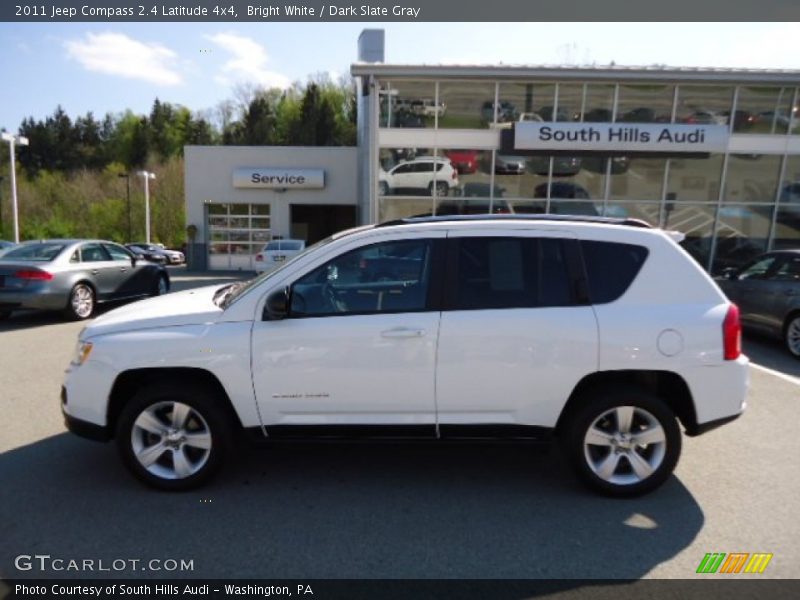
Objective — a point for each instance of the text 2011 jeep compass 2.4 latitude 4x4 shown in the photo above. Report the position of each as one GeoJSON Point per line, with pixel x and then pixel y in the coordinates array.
{"type": "Point", "coordinates": [603, 332]}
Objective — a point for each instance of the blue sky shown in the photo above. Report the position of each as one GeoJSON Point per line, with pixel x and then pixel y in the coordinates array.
{"type": "Point", "coordinates": [110, 67]}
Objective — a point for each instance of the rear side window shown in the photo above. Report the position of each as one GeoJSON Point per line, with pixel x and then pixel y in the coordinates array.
{"type": "Point", "coordinates": [41, 252]}
{"type": "Point", "coordinates": [611, 268]}
{"type": "Point", "coordinates": [510, 272]}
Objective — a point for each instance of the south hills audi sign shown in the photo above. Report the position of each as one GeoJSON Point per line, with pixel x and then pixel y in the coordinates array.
{"type": "Point", "coordinates": [620, 137]}
{"type": "Point", "coordinates": [282, 179]}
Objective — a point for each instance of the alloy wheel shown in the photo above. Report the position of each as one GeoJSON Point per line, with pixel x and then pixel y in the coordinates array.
{"type": "Point", "coordinates": [793, 336]}
{"type": "Point", "coordinates": [625, 445]}
{"type": "Point", "coordinates": [171, 440]}
{"type": "Point", "coordinates": [82, 301]}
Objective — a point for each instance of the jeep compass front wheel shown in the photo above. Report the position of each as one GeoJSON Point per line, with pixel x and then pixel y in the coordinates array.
{"type": "Point", "coordinates": [173, 438]}
{"type": "Point", "coordinates": [623, 443]}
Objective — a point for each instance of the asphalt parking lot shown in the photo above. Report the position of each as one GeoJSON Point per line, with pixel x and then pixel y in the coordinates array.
{"type": "Point", "coordinates": [389, 510]}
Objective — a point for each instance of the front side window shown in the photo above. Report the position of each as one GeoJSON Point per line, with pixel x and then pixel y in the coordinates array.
{"type": "Point", "coordinates": [380, 278]}
{"type": "Point", "coordinates": [510, 272]}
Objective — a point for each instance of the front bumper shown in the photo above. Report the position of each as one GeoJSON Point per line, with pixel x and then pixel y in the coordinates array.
{"type": "Point", "coordinates": [84, 429]}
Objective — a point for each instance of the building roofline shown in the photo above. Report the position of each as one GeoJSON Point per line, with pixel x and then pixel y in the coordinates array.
{"type": "Point", "coordinates": [603, 73]}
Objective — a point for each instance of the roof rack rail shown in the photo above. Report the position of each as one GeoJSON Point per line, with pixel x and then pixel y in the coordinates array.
{"type": "Point", "coordinates": [517, 217]}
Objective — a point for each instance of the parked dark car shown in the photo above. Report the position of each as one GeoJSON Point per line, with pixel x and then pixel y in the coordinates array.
{"type": "Point", "coordinates": [74, 276]}
{"type": "Point", "coordinates": [478, 189]}
{"type": "Point", "coordinates": [767, 291]}
{"type": "Point", "coordinates": [563, 166]}
{"type": "Point", "coordinates": [565, 190]}
{"type": "Point", "coordinates": [141, 254]}
{"type": "Point", "coordinates": [597, 164]}
{"type": "Point", "coordinates": [174, 257]}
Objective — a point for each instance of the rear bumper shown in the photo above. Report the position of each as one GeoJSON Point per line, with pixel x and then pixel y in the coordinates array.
{"type": "Point", "coordinates": [15, 299]}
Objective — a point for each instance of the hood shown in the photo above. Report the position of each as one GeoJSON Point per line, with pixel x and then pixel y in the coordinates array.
{"type": "Point", "coordinates": [192, 307]}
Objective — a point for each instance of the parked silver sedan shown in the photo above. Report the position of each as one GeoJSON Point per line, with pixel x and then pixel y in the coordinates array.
{"type": "Point", "coordinates": [74, 276]}
{"type": "Point", "coordinates": [767, 291]}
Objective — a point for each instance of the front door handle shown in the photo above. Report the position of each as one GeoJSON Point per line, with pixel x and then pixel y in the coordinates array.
{"type": "Point", "coordinates": [95, 271]}
{"type": "Point", "coordinates": [123, 269]}
{"type": "Point", "coordinates": [403, 332]}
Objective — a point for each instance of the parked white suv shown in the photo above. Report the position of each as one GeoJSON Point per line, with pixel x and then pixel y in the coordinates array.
{"type": "Point", "coordinates": [422, 173]}
{"type": "Point", "coordinates": [602, 332]}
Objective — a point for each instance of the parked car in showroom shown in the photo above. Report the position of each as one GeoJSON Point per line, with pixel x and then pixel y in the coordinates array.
{"type": "Point", "coordinates": [510, 165]}
{"type": "Point", "coordinates": [74, 276]}
{"type": "Point", "coordinates": [277, 252]}
{"type": "Point", "coordinates": [490, 326]}
{"type": "Point", "coordinates": [563, 166]}
{"type": "Point", "coordinates": [464, 161]}
{"type": "Point", "coordinates": [419, 175]}
{"type": "Point", "coordinates": [767, 291]}
{"type": "Point", "coordinates": [174, 257]}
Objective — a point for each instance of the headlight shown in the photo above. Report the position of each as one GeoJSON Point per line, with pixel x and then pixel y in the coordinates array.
{"type": "Point", "coordinates": [82, 352]}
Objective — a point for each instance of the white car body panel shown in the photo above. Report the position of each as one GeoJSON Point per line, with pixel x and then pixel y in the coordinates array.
{"type": "Point", "coordinates": [497, 366]}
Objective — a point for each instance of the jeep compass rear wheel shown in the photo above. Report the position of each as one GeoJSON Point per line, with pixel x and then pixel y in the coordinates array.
{"type": "Point", "coordinates": [623, 443]}
{"type": "Point", "coordinates": [173, 438]}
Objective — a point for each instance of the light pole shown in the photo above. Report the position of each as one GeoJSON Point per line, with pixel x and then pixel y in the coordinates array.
{"type": "Point", "coordinates": [147, 176]}
{"type": "Point", "coordinates": [127, 177]}
{"type": "Point", "coordinates": [12, 141]}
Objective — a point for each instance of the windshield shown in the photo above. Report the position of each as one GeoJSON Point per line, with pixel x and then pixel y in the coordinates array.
{"type": "Point", "coordinates": [41, 252]}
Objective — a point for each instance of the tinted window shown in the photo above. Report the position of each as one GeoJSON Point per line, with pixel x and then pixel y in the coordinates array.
{"type": "Point", "coordinates": [758, 269]}
{"type": "Point", "coordinates": [611, 268]}
{"type": "Point", "coordinates": [789, 270]}
{"type": "Point", "coordinates": [284, 245]}
{"type": "Point", "coordinates": [496, 273]}
{"type": "Point", "coordinates": [117, 252]}
{"type": "Point", "coordinates": [387, 277]}
{"type": "Point", "coordinates": [93, 253]}
{"type": "Point", "coordinates": [34, 252]}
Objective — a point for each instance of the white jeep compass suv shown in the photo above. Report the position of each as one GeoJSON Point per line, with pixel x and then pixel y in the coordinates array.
{"type": "Point", "coordinates": [602, 333]}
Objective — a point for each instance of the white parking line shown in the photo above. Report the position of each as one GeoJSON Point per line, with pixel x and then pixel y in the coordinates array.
{"type": "Point", "coordinates": [783, 376]}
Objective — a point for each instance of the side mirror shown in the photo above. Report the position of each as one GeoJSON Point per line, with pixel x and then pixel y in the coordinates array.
{"type": "Point", "coordinates": [730, 273]}
{"type": "Point", "coordinates": [277, 305]}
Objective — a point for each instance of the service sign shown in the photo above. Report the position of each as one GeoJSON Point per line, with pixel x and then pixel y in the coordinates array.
{"type": "Point", "coordinates": [620, 137]}
{"type": "Point", "coordinates": [288, 179]}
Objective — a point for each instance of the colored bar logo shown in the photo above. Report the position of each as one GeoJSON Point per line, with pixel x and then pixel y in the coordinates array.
{"type": "Point", "coordinates": [735, 562]}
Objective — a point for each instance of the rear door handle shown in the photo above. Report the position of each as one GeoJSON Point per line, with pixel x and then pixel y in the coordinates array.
{"type": "Point", "coordinates": [403, 332]}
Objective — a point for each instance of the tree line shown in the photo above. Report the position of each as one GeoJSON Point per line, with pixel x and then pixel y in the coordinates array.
{"type": "Point", "coordinates": [69, 176]}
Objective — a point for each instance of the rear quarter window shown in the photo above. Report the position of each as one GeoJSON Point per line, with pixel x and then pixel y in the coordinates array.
{"type": "Point", "coordinates": [611, 267]}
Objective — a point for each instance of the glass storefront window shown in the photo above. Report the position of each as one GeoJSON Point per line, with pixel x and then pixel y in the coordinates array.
{"type": "Point", "coordinates": [416, 172]}
{"type": "Point", "coordinates": [646, 211]}
{"type": "Point", "coordinates": [530, 100]}
{"type": "Point", "coordinates": [787, 221]}
{"type": "Point", "coordinates": [470, 105]}
{"type": "Point", "coordinates": [599, 104]}
{"type": "Point", "coordinates": [741, 235]}
{"type": "Point", "coordinates": [407, 103]}
{"type": "Point", "coordinates": [474, 168]}
{"type": "Point", "coordinates": [645, 103]}
{"type": "Point", "coordinates": [391, 208]}
{"type": "Point", "coordinates": [695, 179]}
{"type": "Point", "coordinates": [763, 110]}
{"type": "Point", "coordinates": [696, 222]}
{"type": "Point", "coordinates": [236, 233]}
{"type": "Point", "coordinates": [570, 101]}
{"type": "Point", "coordinates": [704, 104]}
{"type": "Point", "coordinates": [751, 178]}
{"type": "Point", "coordinates": [635, 178]}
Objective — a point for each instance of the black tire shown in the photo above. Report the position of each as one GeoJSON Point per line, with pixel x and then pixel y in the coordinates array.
{"type": "Point", "coordinates": [4, 314]}
{"type": "Point", "coordinates": [214, 423]}
{"type": "Point", "coordinates": [81, 303]}
{"type": "Point", "coordinates": [623, 481]}
{"type": "Point", "coordinates": [157, 285]}
{"type": "Point", "coordinates": [791, 335]}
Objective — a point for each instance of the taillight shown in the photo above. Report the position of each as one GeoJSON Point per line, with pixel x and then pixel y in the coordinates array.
{"type": "Point", "coordinates": [33, 275]}
{"type": "Point", "coordinates": [732, 333]}
{"type": "Point", "coordinates": [259, 257]}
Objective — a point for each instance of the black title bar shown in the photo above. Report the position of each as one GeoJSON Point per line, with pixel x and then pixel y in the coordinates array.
{"type": "Point", "coordinates": [378, 11]}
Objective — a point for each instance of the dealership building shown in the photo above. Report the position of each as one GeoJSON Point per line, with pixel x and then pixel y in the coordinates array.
{"type": "Point", "coordinates": [713, 153]}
